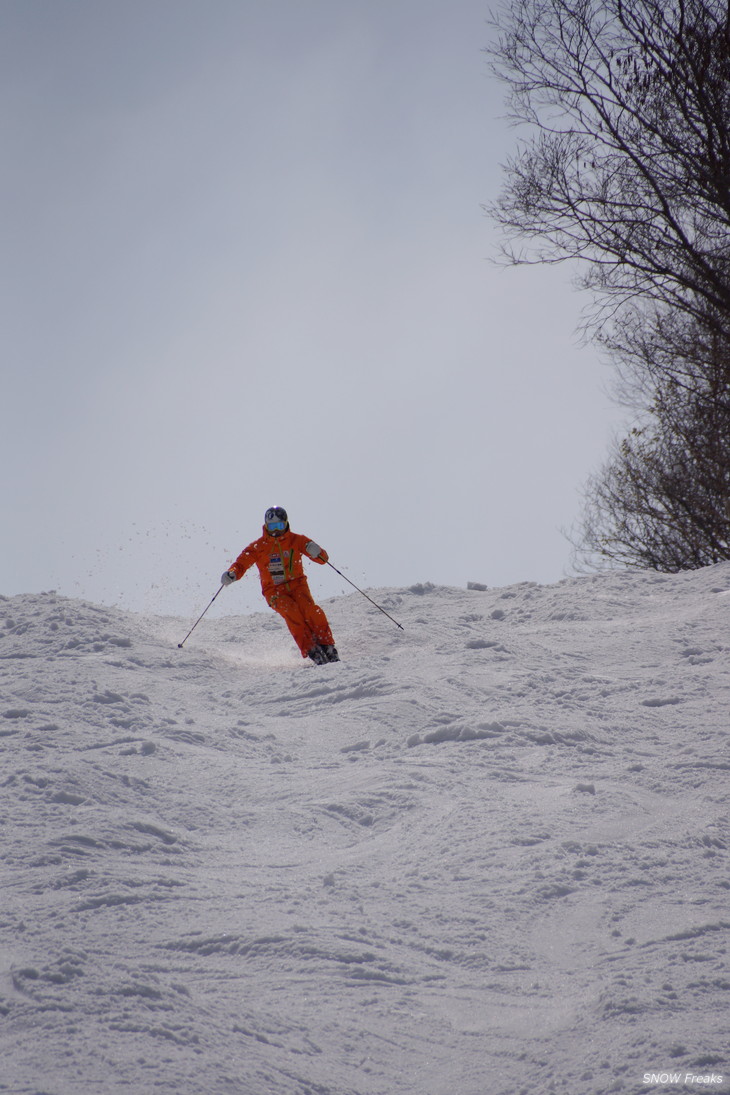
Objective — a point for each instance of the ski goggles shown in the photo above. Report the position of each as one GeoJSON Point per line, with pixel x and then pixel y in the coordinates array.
{"type": "Point", "coordinates": [276, 526]}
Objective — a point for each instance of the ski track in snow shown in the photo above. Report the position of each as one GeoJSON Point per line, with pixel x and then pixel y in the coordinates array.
{"type": "Point", "coordinates": [487, 855]}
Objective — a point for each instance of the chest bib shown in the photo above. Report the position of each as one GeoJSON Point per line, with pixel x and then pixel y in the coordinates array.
{"type": "Point", "coordinates": [277, 567]}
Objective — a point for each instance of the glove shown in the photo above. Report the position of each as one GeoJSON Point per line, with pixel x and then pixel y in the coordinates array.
{"type": "Point", "coordinates": [227, 577]}
{"type": "Point", "coordinates": [313, 550]}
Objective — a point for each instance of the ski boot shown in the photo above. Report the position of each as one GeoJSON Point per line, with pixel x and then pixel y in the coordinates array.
{"type": "Point", "coordinates": [321, 654]}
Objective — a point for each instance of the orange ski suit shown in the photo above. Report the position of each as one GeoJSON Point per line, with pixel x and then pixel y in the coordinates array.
{"type": "Point", "coordinates": [284, 584]}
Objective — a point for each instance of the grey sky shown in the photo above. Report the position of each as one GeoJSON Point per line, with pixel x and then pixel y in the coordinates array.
{"type": "Point", "coordinates": [245, 263]}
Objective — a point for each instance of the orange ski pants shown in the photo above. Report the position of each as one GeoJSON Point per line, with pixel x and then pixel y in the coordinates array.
{"type": "Point", "coordinates": [306, 620]}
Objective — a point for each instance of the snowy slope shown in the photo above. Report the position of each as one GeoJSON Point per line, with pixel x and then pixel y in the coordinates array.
{"type": "Point", "coordinates": [487, 855]}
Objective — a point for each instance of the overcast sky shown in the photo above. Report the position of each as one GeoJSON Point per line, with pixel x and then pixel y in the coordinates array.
{"type": "Point", "coordinates": [244, 263]}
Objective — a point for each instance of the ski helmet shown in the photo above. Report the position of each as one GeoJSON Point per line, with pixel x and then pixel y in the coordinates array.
{"type": "Point", "coordinates": [276, 519]}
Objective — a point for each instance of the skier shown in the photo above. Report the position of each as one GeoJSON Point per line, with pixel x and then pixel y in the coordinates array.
{"type": "Point", "coordinates": [278, 555]}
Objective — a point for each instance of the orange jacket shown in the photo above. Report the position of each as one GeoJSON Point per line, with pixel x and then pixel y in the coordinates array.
{"type": "Point", "coordinates": [279, 559]}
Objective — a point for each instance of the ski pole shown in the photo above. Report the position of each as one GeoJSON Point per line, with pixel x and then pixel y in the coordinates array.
{"type": "Point", "coordinates": [372, 602]}
{"type": "Point", "coordinates": [200, 617]}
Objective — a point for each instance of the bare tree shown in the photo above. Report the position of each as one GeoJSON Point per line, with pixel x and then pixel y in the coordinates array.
{"type": "Point", "coordinates": [627, 171]}
{"type": "Point", "coordinates": [628, 166]}
{"type": "Point", "coordinates": [663, 499]}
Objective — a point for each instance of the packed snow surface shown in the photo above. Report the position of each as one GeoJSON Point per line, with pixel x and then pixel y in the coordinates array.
{"type": "Point", "coordinates": [486, 855]}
